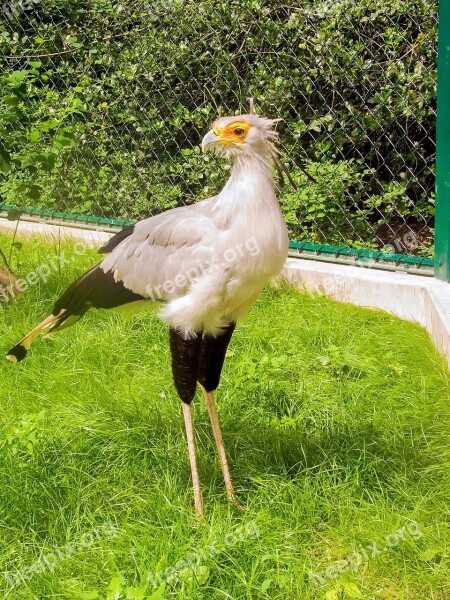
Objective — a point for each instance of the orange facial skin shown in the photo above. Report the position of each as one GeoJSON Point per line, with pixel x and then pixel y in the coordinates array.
{"type": "Point", "coordinates": [234, 133]}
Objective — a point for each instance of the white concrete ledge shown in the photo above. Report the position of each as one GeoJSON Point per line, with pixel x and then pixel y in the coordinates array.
{"type": "Point", "coordinates": [91, 236]}
{"type": "Point", "coordinates": [424, 300]}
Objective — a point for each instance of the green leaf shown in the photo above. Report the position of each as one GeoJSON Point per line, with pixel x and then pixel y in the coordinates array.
{"type": "Point", "coordinates": [429, 554]}
{"type": "Point", "coordinates": [158, 594]}
{"type": "Point", "coordinates": [5, 161]}
{"type": "Point", "coordinates": [34, 135]}
{"type": "Point", "coordinates": [332, 594]}
{"type": "Point", "coordinates": [34, 192]}
{"type": "Point", "coordinates": [73, 41]}
{"type": "Point", "coordinates": [265, 585]}
{"type": "Point", "coordinates": [11, 100]}
{"type": "Point", "coordinates": [136, 593]}
{"type": "Point", "coordinates": [115, 587]}
{"type": "Point", "coordinates": [46, 160]}
{"type": "Point", "coordinates": [18, 76]}
{"type": "Point", "coordinates": [351, 590]}
{"type": "Point", "coordinates": [202, 574]}
{"type": "Point", "coordinates": [65, 139]}
{"type": "Point", "coordinates": [48, 125]}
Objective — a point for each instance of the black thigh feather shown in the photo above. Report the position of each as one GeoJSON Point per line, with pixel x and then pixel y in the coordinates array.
{"type": "Point", "coordinates": [212, 357]}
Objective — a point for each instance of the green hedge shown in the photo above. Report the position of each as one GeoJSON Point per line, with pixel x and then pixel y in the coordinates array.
{"type": "Point", "coordinates": [104, 103]}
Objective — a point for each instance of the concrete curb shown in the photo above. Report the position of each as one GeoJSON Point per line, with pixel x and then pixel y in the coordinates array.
{"type": "Point", "coordinates": [91, 237]}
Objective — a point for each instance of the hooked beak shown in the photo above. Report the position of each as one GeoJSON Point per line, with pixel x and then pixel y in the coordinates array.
{"type": "Point", "coordinates": [209, 139]}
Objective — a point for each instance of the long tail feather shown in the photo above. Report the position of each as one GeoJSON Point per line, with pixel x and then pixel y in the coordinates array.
{"type": "Point", "coordinates": [95, 289]}
{"type": "Point", "coordinates": [19, 351]}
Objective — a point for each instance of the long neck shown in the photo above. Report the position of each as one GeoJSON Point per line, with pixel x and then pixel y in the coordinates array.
{"type": "Point", "coordinates": [250, 186]}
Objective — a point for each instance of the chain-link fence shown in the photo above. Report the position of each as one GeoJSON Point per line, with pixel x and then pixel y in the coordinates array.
{"type": "Point", "coordinates": [104, 103]}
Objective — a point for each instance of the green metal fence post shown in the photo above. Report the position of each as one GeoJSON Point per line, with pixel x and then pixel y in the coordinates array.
{"type": "Point", "coordinates": [442, 223]}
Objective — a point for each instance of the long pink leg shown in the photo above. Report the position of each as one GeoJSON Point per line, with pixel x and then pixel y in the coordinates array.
{"type": "Point", "coordinates": [214, 418]}
{"type": "Point", "coordinates": [193, 462]}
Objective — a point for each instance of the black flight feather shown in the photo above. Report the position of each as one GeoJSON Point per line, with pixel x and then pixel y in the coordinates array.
{"type": "Point", "coordinates": [95, 289]}
{"type": "Point", "coordinates": [115, 240]}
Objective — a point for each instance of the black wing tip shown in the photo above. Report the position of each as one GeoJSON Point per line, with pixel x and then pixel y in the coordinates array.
{"type": "Point", "coordinates": [17, 353]}
{"type": "Point", "coordinates": [115, 240]}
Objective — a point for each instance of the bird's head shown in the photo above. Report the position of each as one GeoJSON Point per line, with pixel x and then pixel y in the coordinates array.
{"type": "Point", "coordinates": [242, 135]}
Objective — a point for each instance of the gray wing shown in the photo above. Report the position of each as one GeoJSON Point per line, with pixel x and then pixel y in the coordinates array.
{"type": "Point", "coordinates": [163, 253]}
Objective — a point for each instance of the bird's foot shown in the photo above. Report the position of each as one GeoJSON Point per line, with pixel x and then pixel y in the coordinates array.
{"type": "Point", "coordinates": [236, 503]}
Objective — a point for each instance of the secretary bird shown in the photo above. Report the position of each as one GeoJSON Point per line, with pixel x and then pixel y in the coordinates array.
{"type": "Point", "coordinates": [203, 266]}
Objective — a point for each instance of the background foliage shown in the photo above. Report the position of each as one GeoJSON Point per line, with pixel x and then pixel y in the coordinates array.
{"type": "Point", "coordinates": [103, 105]}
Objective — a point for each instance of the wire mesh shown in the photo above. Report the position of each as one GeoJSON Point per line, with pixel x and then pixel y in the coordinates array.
{"type": "Point", "coordinates": [104, 103]}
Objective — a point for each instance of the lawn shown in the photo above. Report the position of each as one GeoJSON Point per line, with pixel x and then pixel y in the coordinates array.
{"type": "Point", "coordinates": [336, 422]}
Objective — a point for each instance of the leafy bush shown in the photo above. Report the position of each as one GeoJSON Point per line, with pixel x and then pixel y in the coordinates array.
{"type": "Point", "coordinates": [103, 105]}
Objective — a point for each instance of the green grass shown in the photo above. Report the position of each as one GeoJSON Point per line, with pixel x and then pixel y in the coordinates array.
{"type": "Point", "coordinates": [336, 422]}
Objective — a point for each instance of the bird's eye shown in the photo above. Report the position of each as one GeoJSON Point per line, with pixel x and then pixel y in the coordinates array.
{"type": "Point", "coordinates": [239, 131]}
